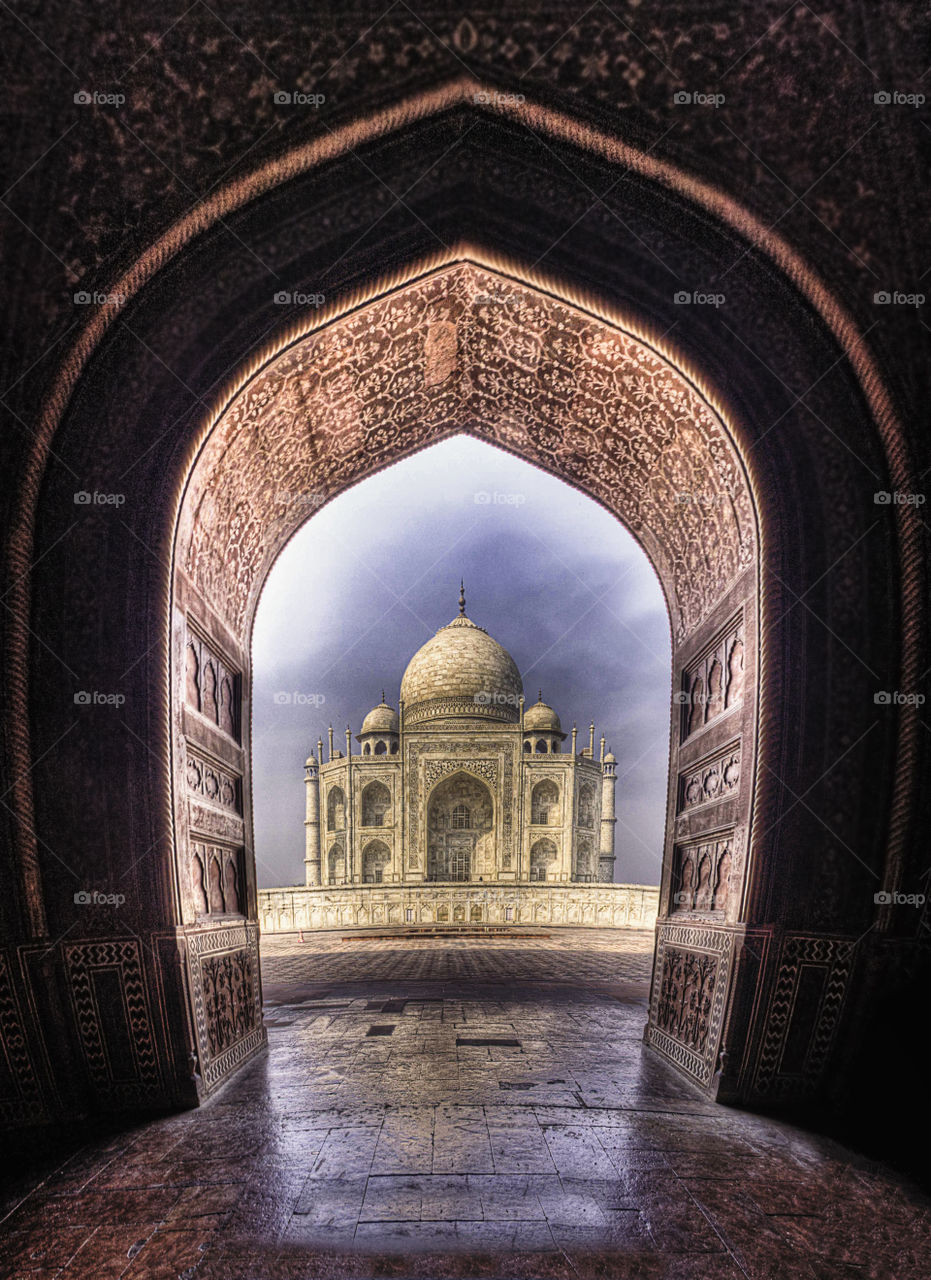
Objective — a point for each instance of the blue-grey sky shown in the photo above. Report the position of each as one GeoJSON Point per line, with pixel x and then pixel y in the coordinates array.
{"type": "Point", "coordinates": [372, 575]}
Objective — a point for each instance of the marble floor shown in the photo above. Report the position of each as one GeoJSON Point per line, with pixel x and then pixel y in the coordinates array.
{"type": "Point", "coordinates": [470, 1108]}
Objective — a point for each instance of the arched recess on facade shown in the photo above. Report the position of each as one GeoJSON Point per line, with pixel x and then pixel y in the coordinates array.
{"type": "Point", "coordinates": [732, 556]}
{"type": "Point", "coordinates": [461, 830]}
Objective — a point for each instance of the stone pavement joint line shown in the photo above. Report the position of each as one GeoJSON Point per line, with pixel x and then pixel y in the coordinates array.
{"type": "Point", "coordinates": [510, 1125]}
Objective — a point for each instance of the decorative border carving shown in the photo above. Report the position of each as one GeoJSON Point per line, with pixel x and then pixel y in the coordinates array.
{"type": "Point", "coordinates": [124, 956]}
{"type": "Point", "coordinates": [833, 955]}
{"type": "Point", "coordinates": [27, 1106]}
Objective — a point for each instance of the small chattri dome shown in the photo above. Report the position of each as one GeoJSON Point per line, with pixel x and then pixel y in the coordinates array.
{"type": "Point", "coordinates": [610, 758]}
{"type": "Point", "coordinates": [541, 718]}
{"type": "Point", "coordinates": [381, 719]}
{"type": "Point", "coordinates": [311, 760]}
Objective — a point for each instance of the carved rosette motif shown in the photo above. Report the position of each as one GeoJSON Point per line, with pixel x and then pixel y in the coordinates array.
{"type": "Point", "coordinates": [712, 779]}
{"type": "Point", "coordinates": [213, 782]}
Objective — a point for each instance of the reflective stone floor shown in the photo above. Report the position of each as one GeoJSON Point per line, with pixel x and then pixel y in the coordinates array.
{"type": "Point", "coordinates": [464, 1108]}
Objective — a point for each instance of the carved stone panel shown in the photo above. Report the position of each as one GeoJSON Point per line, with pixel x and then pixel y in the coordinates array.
{"type": "Point", "coordinates": [713, 682]}
{"type": "Point", "coordinates": [804, 1011]}
{"type": "Point", "coordinates": [111, 1005]}
{"type": "Point", "coordinates": [211, 684]}
{"type": "Point", "coordinates": [212, 781]}
{"type": "Point", "coordinates": [710, 779]}
{"type": "Point", "coordinates": [20, 1096]}
{"type": "Point", "coordinates": [216, 879]}
{"type": "Point", "coordinates": [224, 973]}
{"type": "Point", "coordinates": [704, 875]}
{"type": "Point", "coordinates": [687, 1001]}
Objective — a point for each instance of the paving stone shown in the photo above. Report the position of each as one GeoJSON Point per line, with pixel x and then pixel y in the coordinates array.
{"type": "Point", "coordinates": [340, 1156]}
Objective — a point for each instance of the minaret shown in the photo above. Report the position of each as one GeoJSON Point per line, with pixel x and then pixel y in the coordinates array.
{"type": "Point", "coordinates": [312, 822]}
{"type": "Point", "coordinates": [608, 819]}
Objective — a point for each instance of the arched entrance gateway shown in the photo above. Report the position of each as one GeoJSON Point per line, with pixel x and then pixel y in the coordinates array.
{"type": "Point", "coordinates": [729, 472]}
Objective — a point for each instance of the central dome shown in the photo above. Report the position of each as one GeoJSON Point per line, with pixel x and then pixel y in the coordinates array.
{"type": "Point", "coordinates": [461, 671]}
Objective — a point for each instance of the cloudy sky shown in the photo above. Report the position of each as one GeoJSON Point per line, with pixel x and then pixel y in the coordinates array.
{"type": "Point", "coordinates": [548, 573]}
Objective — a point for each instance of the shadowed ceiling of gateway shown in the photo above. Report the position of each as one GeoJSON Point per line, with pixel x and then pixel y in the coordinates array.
{"type": "Point", "coordinates": [552, 576]}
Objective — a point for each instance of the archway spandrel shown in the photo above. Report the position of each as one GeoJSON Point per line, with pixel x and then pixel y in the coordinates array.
{"type": "Point", "coordinates": [469, 349]}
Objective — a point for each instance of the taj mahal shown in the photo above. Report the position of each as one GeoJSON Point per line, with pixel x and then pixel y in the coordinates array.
{"type": "Point", "coordinates": [460, 806]}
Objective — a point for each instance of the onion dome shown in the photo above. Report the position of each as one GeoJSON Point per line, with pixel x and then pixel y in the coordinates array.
{"type": "Point", "coordinates": [461, 671]}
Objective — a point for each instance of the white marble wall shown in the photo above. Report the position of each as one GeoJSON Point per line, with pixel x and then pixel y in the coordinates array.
{"type": "Point", "coordinates": [598, 906]}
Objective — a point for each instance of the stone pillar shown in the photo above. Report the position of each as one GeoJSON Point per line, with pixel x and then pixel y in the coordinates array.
{"type": "Point", "coordinates": [608, 820]}
{"type": "Point", "coordinates": [312, 822]}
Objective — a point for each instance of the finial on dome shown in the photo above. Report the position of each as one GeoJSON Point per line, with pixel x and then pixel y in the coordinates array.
{"type": "Point", "coordinates": [462, 597]}
{"type": "Point", "coordinates": [539, 695]}
{"type": "Point", "coordinates": [383, 697]}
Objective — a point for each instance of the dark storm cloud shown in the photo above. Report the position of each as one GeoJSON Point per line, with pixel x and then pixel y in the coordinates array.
{"type": "Point", "coordinates": [372, 576]}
